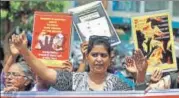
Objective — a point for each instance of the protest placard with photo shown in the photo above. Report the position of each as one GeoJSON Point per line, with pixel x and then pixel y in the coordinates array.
{"type": "Point", "coordinates": [92, 19]}
{"type": "Point", "coordinates": [153, 35]}
{"type": "Point", "coordinates": [51, 37]}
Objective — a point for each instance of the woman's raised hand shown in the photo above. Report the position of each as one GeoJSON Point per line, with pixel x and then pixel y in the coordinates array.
{"type": "Point", "coordinates": [130, 65]}
{"type": "Point", "coordinates": [67, 65]}
{"type": "Point", "coordinates": [156, 75]}
{"type": "Point", "coordinates": [140, 61]}
{"type": "Point", "coordinates": [141, 65]}
{"type": "Point", "coordinates": [19, 41]}
{"type": "Point", "coordinates": [14, 51]}
{"type": "Point", "coordinates": [84, 47]}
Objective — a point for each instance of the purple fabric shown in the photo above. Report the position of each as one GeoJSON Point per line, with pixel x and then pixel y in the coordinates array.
{"type": "Point", "coordinates": [2, 78]}
{"type": "Point", "coordinates": [2, 81]}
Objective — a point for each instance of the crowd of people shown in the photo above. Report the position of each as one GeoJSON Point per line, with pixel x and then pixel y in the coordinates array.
{"type": "Point", "coordinates": [22, 71]}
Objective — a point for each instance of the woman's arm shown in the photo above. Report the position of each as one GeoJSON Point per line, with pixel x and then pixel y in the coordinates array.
{"type": "Point", "coordinates": [6, 48]}
{"type": "Point", "coordinates": [8, 63]}
{"type": "Point", "coordinates": [137, 65]}
{"type": "Point", "coordinates": [20, 43]}
{"type": "Point", "coordinates": [81, 67]}
{"type": "Point", "coordinates": [39, 67]}
{"type": "Point", "coordinates": [83, 47]}
{"type": "Point", "coordinates": [11, 55]}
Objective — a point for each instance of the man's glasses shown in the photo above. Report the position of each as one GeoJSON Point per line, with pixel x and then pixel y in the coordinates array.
{"type": "Point", "coordinates": [13, 74]}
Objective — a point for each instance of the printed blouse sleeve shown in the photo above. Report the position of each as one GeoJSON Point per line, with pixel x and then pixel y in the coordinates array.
{"type": "Point", "coordinates": [120, 85]}
{"type": "Point", "coordinates": [63, 81]}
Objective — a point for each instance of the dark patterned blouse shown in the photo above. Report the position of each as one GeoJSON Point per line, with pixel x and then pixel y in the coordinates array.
{"type": "Point", "coordinates": [78, 81]}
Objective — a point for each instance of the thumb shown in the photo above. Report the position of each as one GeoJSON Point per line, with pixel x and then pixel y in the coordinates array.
{"type": "Point", "coordinates": [23, 35]}
{"type": "Point", "coordinates": [10, 42]}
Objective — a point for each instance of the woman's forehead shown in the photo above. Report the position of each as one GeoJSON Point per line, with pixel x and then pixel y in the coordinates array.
{"type": "Point", "coordinates": [100, 48]}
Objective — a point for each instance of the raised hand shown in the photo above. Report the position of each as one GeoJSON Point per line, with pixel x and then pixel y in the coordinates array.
{"type": "Point", "coordinates": [140, 61]}
{"type": "Point", "coordinates": [14, 51]}
{"type": "Point", "coordinates": [84, 47]}
{"type": "Point", "coordinates": [47, 46]}
{"type": "Point", "coordinates": [141, 65]}
{"type": "Point", "coordinates": [163, 83]}
{"type": "Point", "coordinates": [67, 65]}
{"type": "Point", "coordinates": [156, 75]}
{"type": "Point", "coordinates": [82, 65]}
{"type": "Point", "coordinates": [11, 53]}
{"type": "Point", "coordinates": [19, 41]}
{"type": "Point", "coordinates": [6, 48]}
{"type": "Point", "coordinates": [130, 65]}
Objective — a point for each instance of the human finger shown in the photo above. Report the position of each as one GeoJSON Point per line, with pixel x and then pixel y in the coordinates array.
{"type": "Point", "coordinates": [147, 89]}
{"type": "Point", "coordinates": [67, 63]}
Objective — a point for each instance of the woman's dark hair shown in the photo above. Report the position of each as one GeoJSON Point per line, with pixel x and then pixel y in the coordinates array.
{"type": "Point", "coordinates": [1, 58]}
{"type": "Point", "coordinates": [99, 40]}
{"type": "Point", "coordinates": [29, 86]}
{"type": "Point", "coordinates": [1, 53]}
